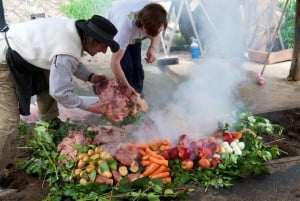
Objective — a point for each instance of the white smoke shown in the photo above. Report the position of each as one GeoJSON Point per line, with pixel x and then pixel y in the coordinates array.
{"type": "Point", "coordinates": [209, 94]}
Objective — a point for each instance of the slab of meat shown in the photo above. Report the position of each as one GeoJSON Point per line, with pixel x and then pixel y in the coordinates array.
{"type": "Point", "coordinates": [126, 155]}
{"type": "Point", "coordinates": [116, 101]}
{"type": "Point", "coordinates": [65, 147]}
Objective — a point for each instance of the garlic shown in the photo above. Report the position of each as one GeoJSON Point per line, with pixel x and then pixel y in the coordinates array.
{"type": "Point", "coordinates": [237, 151]}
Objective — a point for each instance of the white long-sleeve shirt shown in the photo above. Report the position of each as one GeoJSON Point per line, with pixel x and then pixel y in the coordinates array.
{"type": "Point", "coordinates": [61, 87]}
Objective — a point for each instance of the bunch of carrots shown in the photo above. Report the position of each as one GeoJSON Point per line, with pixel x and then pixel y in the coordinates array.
{"type": "Point", "coordinates": [155, 165]}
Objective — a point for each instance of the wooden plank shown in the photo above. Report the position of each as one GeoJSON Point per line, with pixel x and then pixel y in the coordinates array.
{"type": "Point", "coordinates": [275, 57]}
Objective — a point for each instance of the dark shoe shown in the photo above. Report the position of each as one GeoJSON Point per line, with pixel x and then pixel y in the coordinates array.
{"type": "Point", "coordinates": [55, 123]}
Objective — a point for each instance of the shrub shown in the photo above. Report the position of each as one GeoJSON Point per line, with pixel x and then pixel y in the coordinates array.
{"type": "Point", "coordinates": [84, 9]}
{"type": "Point", "coordinates": [288, 26]}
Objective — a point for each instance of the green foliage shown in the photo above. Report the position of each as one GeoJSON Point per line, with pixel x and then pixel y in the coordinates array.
{"type": "Point", "coordinates": [84, 9]}
{"type": "Point", "coordinates": [257, 124]}
{"type": "Point", "coordinates": [140, 189]}
{"type": "Point", "coordinates": [180, 42]}
{"type": "Point", "coordinates": [127, 120]}
{"type": "Point", "coordinates": [45, 158]}
{"type": "Point", "coordinates": [24, 128]}
{"type": "Point", "coordinates": [288, 26]}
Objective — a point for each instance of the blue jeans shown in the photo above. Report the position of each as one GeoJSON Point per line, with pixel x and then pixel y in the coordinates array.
{"type": "Point", "coordinates": [131, 64]}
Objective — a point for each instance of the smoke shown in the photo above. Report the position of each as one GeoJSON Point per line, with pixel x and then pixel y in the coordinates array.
{"type": "Point", "coordinates": [210, 93]}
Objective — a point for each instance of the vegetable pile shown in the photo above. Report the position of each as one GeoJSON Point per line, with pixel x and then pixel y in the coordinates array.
{"type": "Point", "coordinates": [93, 170]}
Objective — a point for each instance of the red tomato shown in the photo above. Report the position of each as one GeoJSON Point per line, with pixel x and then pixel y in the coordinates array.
{"type": "Point", "coordinates": [165, 154]}
{"type": "Point", "coordinates": [214, 161]}
{"type": "Point", "coordinates": [204, 152]}
{"type": "Point", "coordinates": [187, 164]}
{"type": "Point", "coordinates": [227, 137]}
{"type": "Point", "coordinates": [173, 153]}
{"type": "Point", "coordinates": [204, 163]}
{"type": "Point", "coordinates": [215, 147]}
{"type": "Point", "coordinates": [184, 153]}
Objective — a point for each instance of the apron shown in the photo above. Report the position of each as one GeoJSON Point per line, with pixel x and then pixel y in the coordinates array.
{"type": "Point", "coordinates": [29, 80]}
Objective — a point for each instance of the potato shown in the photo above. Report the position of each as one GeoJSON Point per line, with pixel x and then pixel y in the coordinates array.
{"type": "Point", "coordinates": [77, 172]}
{"type": "Point", "coordinates": [134, 167]}
{"type": "Point", "coordinates": [95, 157]}
{"type": "Point", "coordinates": [91, 152]}
{"type": "Point", "coordinates": [86, 158]}
{"type": "Point", "coordinates": [82, 173]}
{"type": "Point", "coordinates": [98, 150]}
{"type": "Point", "coordinates": [89, 168]}
{"type": "Point", "coordinates": [107, 174]}
{"type": "Point", "coordinates": [81, 164]}
{"type": "Point", "coordinates": [83, 181]}
{"type": "Point", "coordinates": [81, 156]}
{"type": "Point", "coordinates": [105, 155]}
{"type": "Point", "coordinates": [123, 170]}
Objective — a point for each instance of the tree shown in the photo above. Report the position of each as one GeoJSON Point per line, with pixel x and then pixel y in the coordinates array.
{"type": "Point", "coordinates": [294, 74]}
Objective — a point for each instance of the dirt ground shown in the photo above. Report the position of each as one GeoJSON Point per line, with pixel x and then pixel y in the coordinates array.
{"type": "Point", "coordinates": [277, 100]}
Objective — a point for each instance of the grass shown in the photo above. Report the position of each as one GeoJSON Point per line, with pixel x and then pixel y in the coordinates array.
{"type": "Point", "coordinates": [288, 26]}
{"type": "Point", "coordinates": [84, 9]}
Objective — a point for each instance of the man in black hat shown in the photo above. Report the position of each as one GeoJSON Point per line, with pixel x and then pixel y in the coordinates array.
{"type": "Point", "coordinates": [39, 57]}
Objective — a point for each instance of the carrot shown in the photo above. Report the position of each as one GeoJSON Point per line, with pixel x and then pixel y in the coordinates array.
{"type": "Point", "coordinates": [150, 169]}
{"type": "Point", "coordinates": [167, 180]}
{"type": "Point", "coordinates": [160, 175]}
{"type": "Point", "coordinates": [145, 162]}
{"type": "Point", "coordinates": [146, 157]}
{"type": "Point", "coordinates": [142, 152]}
{"type": "Point", "coordinates": [164, 147]}
{"type": "Point", "coordinates": [161, 169]}
{"type": "Point", "coordinates": [159, 161]}
{"type": "Point", "coordinates": [165, 142]}
{"type": "Point", "coordinates": [153, 153]}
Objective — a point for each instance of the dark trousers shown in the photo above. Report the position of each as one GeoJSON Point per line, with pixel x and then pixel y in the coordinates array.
{"type": "Point", "coordinates": [131, 64]}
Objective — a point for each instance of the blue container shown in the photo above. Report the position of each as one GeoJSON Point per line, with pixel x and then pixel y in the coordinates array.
{"type": "Point", "coordinates": [194, 49]}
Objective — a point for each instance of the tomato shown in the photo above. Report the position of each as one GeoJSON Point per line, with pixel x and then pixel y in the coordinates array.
{"type": "Point", "coordinates": [204, 163]}
{"type": "Point", "coordinates": [214, 162]}
{"type": "Point", "coordinates": [227, 137]}
{"type": "Point", "coordinates": [193, 145]}
{"type": "Point", "coordinates": [184, 153]}
{"type": "Point", "coordinates": [173, 153]}
{"type": "Point", "coordinates": [215, 147]}
{"type": "Point", "coordinates": [182, 140]}
{"type": "Point", "coordinates": [187, 164]}
{"type": "Point", "coordinates": [204, 152]}
{"type": "Point", "coordinates": [165, 154]}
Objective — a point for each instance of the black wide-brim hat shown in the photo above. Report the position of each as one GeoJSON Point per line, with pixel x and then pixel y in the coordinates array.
{"type": "Point", "coordinates": [101, 30]}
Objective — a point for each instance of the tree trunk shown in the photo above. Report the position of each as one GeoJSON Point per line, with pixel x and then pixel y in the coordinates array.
{"type": "Point", "coordinates": [294, 74]}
